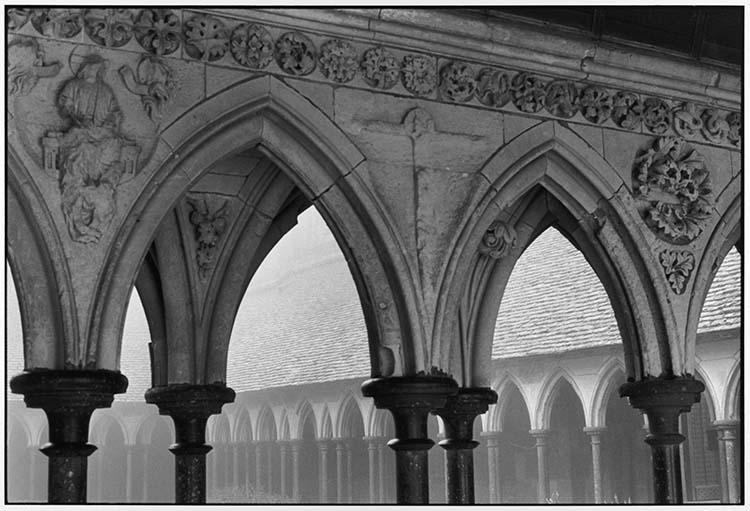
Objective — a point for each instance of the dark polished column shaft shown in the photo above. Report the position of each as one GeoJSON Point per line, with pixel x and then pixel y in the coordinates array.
{"type": "Point", "coordinates": [663, 400]}
{"type": "Point", "coordinates": [68, 398]}
{"type": "Point", "coordinates": [410, 400]}
{"type": "Point", "coordinates": [190, 406]}
{"type": "Point", "coordinates": [458, 415]}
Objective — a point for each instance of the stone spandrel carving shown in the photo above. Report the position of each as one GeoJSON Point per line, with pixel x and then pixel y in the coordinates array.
{"type": "Point", "coordinates": [675, 184]}
{"type": "Point", "coordinates": [418, 74]}
{"type": "Point", "coordinates": [498, 241]}
{"type": "Point", "coordinates": [109, 27]}
{"type": "Point", "coordinates": [158, 31]}
{"type": "Point", "coordinates": [457, 82]}
{"type": "Point", "coordinates": [206, 38]}
{"type": "Point", "coordinates": [295, 54]}
{"type": "Point", "coordinates": [209, 226]}
{"type": "Point", "coordinates": [627, 110]}
{"type": "Point", "coordinates": [561, 99]}
{"type": "Point", "coordinates": [92, 157]}
{"type": "Point", "coordinates": [687, 120]}
{"type": "Point", "coordinates": [251, 45]}
{"type": "Point", "coordinates": [62, 23]}
{"type": "Point", "coordinates": [528, 92]}
{"type": "Point", "coordinates": [379, 68]}
{"type": "Point", "coordinates": [153, 82]}
{"type": "Point", "coordinates": [16, 18]}
{"type": "Point", "coordinates": [493, 87]}
{"type": "Point", "coordinates": [656, 115]}
{"type": "Point", "coordinates": [338, 60]}
{"type": "Point", "coordinates": [595, 104]}
{"type": "Point", "coordinates": [26, 66]}
{"type": "Point", "coordinates": [734, 120]}
{"type": "Point", "coordinates": [678, 266]}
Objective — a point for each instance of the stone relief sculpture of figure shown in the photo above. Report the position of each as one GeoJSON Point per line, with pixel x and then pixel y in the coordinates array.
{"type": "Point", "coordinates": [92, 156]}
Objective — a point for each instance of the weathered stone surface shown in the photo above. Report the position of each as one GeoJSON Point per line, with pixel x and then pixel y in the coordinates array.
{"type": "Point", "coordinates": [219, 78]}
{"type": "Point", "coordinates": [620, 150]}
{"type": "Point", "coordinates": [591, 135]}
{"type": "Point", "coordinates": [736, 158]}
{"type": "Point", "coordinates": [319, 94]}
{"type": "Point", "coordinates": [514, 125]}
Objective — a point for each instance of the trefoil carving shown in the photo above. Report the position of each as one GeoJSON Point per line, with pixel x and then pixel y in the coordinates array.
{"type": "Point", "coordinates": [153, 82]}
{"type": "Point", "coordinates": [675, 183]}
{"type": "Point", "coordinates": [209, 226]}
{"type": "Point", "coordinates": [678, 266]}
{"type": "Point", "coordinates": [92, 157]}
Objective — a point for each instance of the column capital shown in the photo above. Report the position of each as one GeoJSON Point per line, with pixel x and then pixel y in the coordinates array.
{"type": "Point", "coordinates": [459, 413]}
{"type": "Point", "coordinates": [539, 433]}
{"type": "Point", "coordinates": [724, 424]}
{"type": "Point", "coordinates": [594, 430]}
{"type": "Point", "coordinates": [663, 400]}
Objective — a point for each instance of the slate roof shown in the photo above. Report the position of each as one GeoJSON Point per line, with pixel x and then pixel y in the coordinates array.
{"type": "Point", "coordinates": [301, 321]}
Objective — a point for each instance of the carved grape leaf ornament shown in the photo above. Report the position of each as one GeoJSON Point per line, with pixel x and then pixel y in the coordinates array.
{"type": "Point", "coordinates": [677, 268]}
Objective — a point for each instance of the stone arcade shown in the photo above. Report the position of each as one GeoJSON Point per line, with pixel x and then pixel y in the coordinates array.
{"type": "Point", "coordinates": [168, 150]}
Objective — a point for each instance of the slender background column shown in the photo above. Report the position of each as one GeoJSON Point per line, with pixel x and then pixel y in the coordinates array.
{"type": "Point", "coordinates": [340, 471]}
{"type": "Point", "coordinates": [295, 447]}
{"type": "Point", "coordinates": [595, 434]}
{"type": "Point", "coordinates": [323, 470]}
{"type": "Point", "coordinates": [493, 464]}
{"type": "Point", "coordinates": [541, 436]}
{"type": "Point", "coordinates": [727, 430]}
{"type": "Point", "coordinates": [372, 453]}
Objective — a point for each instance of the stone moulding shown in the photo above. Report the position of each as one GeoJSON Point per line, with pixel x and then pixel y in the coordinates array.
{"type": "Point", "coordinates": [674, 184]}
{"type": "Point", "coordinates": [210, 38]}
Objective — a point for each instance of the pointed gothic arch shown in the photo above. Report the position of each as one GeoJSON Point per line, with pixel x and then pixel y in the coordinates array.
{"type": "Point", "coordinates": [609, 379]}
{"type": "Point", "coordinates": [547, 394]}
{"type": "Point", "coordinates": [508, 383]}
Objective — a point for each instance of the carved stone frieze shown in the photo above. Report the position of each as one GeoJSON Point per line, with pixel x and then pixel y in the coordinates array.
{"type": "Point", "coordinates": [674, 184]}
{"type": "Point", "coordinates": [687, 120]}
{"type": "Point", "coordinates": [109, 27]}
{"type": "Point", "coordinates": [158, 31]}
{"type": "Point", "coordinates": [92, 156]}
{"type": "Point", "coordinates": [528, 92]}
{"type": "Point", "coordinates": [561, 99]}
{"type": "Point", "coordinates": [252, 45]}
{"type": "Point", "coordinates": [656, 115]}
{"type": "Point", "coordinates": [498, 241]}
{"type": "Point", "coordinates": [206, 38]}
{"type": "Point", "coordinates": [26, 66]}
{"type": "Point", "coordinates": [595, 104]}
{"type": "Point", "coordinates": [627, 110]}
{"type": "Point", "coordinates": [418, 74]}
{"type": "Point", "coordinates": [493, 87]}
{"type": "Point", "coordinates": [678, 266]}
{"type": "Point", "coordinates": [209, 224]}
{"type": "Point", "coordinates": [152, 81]}
{"type": "Point", "coordinates": [295, 54]}
{"type": "Point", "coordinates": [60, 23]}
{"type": "Point", "coordinates": [715, 126]}
{"type": "Point", "coordinates": [379, 68]}
{"type": "Point", "coordinates": [457, 82]}
{"type": "Point", "coordinates": [16, 18]}
{"type": "Point", "coordinates": [338, 60]}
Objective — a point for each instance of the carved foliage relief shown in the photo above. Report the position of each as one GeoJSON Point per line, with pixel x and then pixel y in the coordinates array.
{"type": "Point", "coordinates": [498, 241]}
{"type": "Point", "coordinates": [379, 68]}
{"type": "Point", "coordinates": [252, 45]}
{"type": "Point", "coordinates": [206, 38]}
{"type": "Point", "coordinates": [295, 54]}
{"type": "Point", "coordinates": [158, 31]}
{"type": "Point", "coordinates": [92, 156]}
{"type": "Point", "coordinates": [678, 266]}
{"type": "Point", "coordinates": [673, 183]}
{"type": "Point", "coordinates": [338, 61]}
{"type": "Point", "coordinates": [109, 27]}
{"type": "Point", "coordinates": [209, 225]}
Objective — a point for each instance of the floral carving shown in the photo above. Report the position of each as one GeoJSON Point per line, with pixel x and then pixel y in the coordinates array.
{"type": "Point", "coordinates": [561, 99]}
{"type": "Point", "coordinates": [493, 87]}
{"type": "Point", "coordinates": [677, 268]}
{"type": "Point", "coordinates": [16, 18]}
{"type": "Point", "coordinates": [209, 227]}
{"type": "Point", "coordinates": [418, 74]}
{"type": "Point", "coordinates": [734, 120]}
{"type": "Point", "coordinates": [595, 104]}
{"type": "Point", "coordinates": [379, 68]}
{"type": "Point", "coordinates": [158, 31]}
{"type": "Point", "coordinates": [656, 115]}
{"type": "Point", "coordinates": [627, 110]}
{"type": "Point", "coordinates": [338, 60]}
{"type": "Point", "coordinates": [109, 27]}
{"type": "Point", "coordinates": [92, 157]}
{"type": "Point", "coordinates": [715, 126]}
{"type": "Point", "coordinates": [457, 82]}
{"type": "Point", "coordinates": [687, 121]}
{"type": "Point", "coordinates": [154, 83]}
{"type": "Point", "coordinates": [528, 92]}
{"type": "Point", "coordinates": [206, 38]}
{"type": "Point", "coordinates": [675, 184]}
{"type": "Point", "coordinates": [26, 66]}
{"type": "Point", "coordinates": [252, 45]}
{"type": "Point", "coordinates": [295, 54]}
{"type": "Point", "coordinates": [62, 23]}
{"type": "Point", "coordinates": [498, 241]}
